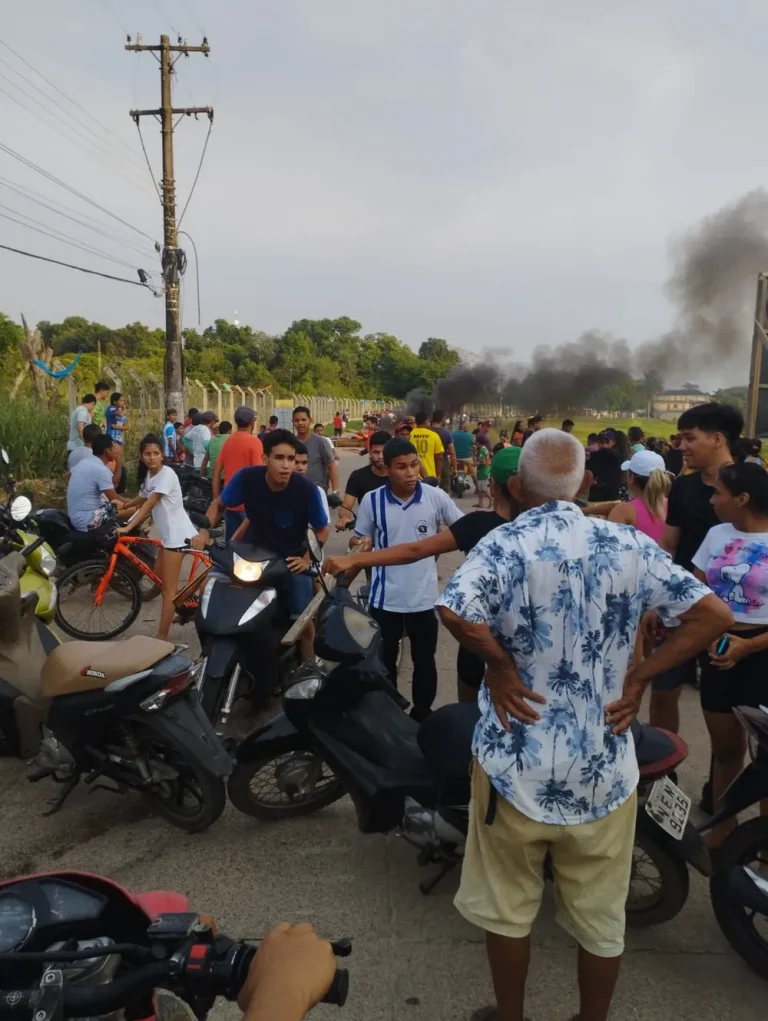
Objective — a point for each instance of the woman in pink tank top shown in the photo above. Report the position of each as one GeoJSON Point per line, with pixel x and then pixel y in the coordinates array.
{"type": "Point", "coordinates": [648, 483]}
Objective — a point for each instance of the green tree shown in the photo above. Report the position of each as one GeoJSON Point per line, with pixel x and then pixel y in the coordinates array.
{"type": "Point", "coordinates": [11, 334]}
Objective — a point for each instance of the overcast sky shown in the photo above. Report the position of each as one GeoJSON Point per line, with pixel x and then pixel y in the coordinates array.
{"type": "Point", "coordinates": [494, 172]}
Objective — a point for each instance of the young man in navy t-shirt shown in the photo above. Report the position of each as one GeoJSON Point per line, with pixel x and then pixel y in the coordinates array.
{"type": "Point", "coordinates": [280, 505]}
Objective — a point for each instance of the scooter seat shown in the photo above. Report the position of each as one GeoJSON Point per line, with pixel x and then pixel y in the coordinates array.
{"type": "Point", "coordinates": [445, 739]}
{"type": "Point", "coordinates": [658, 751]}
{"type": "Point", "coordinates": [86, 666]}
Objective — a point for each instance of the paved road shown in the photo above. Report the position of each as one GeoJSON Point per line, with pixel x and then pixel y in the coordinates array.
{"type": "Point", "coordinates": [414, 956]}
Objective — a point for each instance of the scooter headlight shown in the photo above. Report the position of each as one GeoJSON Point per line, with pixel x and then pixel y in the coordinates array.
{"type": "Point", "coordinates": [261, 602]}
{"type": "Point", "coordinates": [248, 570]}
{"type": "Point", "coordinates": [360, 626]}
{"type": "Point", "coordinates": [305, 689]}
{"type": "Point", "coordinates": [47, 563]}
{"type": "Point", "coordinates": [206, 597]}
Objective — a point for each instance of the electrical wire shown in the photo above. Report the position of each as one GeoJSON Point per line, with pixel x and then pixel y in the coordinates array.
{"type": "Point", "coordinates": [59, 131]}
{"type": "Point", "coordinates": [199, 168]}
{"type": "Point", "coordinates": [35, 196]}
{"type": "Point", "coordinates": [165, 17]}
{"type": "Point", "coordinates": [146, 157]}
{"type": "Point", "coordinates": [69, 265]}
{"type": "Point", "coordinates": [197, 274]}
{"type": "Point", "coordinates": [110, 150]}
{"type": "Point", "coordinates": [69, 99]}
{"type": "Point", "coordinates": [64, 238]}
{"type": "Point", "coordinates": [52, 177]}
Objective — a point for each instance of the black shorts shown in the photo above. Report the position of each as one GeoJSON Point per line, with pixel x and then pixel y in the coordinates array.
{"type": "Point", "coordinates": [686, 673]}
{"type": "Point", "coordinates": [744, 684]}
{"type": "Point", "coordinates": [470, 668]}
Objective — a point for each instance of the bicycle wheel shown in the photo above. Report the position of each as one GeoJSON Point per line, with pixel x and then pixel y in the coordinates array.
{"type": "Point", "coordinates": [79, 617]}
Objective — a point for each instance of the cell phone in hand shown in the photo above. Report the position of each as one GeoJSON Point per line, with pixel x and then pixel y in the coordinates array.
{"type": "Point", "coordinates": [723, 644]}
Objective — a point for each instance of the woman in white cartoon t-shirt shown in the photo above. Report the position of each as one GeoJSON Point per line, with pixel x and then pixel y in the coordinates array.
{"type": "Point", "coordinates": [733, 561]}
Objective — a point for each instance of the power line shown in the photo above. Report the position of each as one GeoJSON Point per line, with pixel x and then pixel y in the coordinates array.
{"type": "Point", "coordinates": [82, 124]}
{"type": "Point", "coordinates": [64, 238]}
{"type": "Point", "coordinates": [52, 177]}
{"type": "Point", "coordinates": [68, 98]}
{"type": "Point", "coordinates": [146, 157]}
{"type": "Point", "coordinates": [165, 16]}
{"type": "Point", "coordinates": [35, 196]}
{"type": "Point", "coordinates": [199, 168]}
{"type": "Point", "coordinates": [69, 265]}
{"type": "Point", "coordinates": [59, 131]}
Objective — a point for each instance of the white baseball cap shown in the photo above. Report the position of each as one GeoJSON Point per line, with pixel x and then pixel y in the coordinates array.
{"type": "Point", "coordinates": [643, 462]}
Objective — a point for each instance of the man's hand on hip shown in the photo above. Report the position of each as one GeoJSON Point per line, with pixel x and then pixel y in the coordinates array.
{"type": "Point", "coordinates": [509, 694]}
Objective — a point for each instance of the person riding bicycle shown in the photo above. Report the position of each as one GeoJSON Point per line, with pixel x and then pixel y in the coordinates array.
{"type": "Point", "coordinates": [160, 495]}
{"type": "Point", "coordinates": [91, 494]}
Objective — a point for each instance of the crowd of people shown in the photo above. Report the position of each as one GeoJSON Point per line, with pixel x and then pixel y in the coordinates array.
{"type": "Point", "coordinates": [592, 573]}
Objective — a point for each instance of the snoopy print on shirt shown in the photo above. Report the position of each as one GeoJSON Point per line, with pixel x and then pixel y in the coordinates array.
{"type": "Point", "coordinates": [735, 565]}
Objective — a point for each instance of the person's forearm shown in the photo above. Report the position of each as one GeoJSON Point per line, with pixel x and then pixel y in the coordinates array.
{"type": "Point", "coordinates": [139, 516]}
{"type": "Point", "coordinates": [214, 512]}
{"type": "Point", "coordinates": [242, 528]}
{"type": "Point", "coordinates": [476, 638]}
{"type": "Point", "coordinates": [333, 474]}
{"type": "Point", "coordinates": [698, 628]}
{"type": "Point", "coordinates": [393, 556]}
{"type": "Point", "coordinates": [603, 508]}
{"type": "Point", "coordinates": [757, 644]}
{"type": "Point", "coordinates": [216, 481]}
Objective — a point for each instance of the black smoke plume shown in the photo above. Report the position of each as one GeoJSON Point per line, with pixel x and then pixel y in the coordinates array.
{"type": "Point", "coordinates": [712, 288]}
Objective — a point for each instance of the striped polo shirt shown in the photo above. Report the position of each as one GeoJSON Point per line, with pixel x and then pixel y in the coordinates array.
{"type": "Point", "coordinates": [388, 521]}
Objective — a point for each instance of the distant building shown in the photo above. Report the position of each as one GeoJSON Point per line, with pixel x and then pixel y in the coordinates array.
{"type": "Point", "coordinates": [671, 404]}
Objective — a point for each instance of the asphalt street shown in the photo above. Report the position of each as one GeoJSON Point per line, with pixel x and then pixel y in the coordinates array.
{"type": "Point", "coordinates": [414, 956]}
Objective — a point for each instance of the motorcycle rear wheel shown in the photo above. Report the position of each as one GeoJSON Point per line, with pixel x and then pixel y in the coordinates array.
{"type": "Point", "coordinates": [652, 901]}
{"type": "Point", "coordinates": [76, 612]}
{"type": "Point", "coordinates": [747, 845]}
{"type": "Point", "coordinates": [256, 788]}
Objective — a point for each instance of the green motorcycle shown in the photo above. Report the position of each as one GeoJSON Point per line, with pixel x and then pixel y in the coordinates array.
{"type": "Point", "coordinates": [15, 516]}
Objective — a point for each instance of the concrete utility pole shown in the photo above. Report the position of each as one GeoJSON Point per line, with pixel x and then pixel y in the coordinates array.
{"type": "Point", "coordinates": [757, 399]}
{"type": "Point", "coordinates": [174, 356]}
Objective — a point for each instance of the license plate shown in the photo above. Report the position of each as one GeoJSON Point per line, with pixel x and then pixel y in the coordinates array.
{"type": "Point", "coordinates": [669, 807]}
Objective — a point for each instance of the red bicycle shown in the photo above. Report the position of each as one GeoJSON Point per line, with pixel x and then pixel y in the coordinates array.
{"type": "Point", "coordinates": [98, 600]}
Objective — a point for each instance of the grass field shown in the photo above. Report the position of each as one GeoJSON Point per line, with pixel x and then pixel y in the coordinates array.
{"type": "Point", "coordinates": [584, 426]}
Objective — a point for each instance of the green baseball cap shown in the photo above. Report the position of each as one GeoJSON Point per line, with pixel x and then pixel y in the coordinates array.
{"type": "Point", "coordinates": [505, 464]}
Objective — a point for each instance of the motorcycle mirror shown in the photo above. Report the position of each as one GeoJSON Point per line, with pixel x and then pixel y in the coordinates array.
{"type": "Point", "coordinates": [21, 508]}
{"type": "Point", "coordinates": [315, 549]}
{"type": "Point", "coordinates": [5, 456]}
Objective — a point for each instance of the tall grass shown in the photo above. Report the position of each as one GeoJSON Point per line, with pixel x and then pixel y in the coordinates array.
{"type": "Point", "coordinates": [35, 438]}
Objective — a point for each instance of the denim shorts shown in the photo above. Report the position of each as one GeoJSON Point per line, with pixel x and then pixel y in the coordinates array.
{"type": "Point", "coordinates": [301, 593]}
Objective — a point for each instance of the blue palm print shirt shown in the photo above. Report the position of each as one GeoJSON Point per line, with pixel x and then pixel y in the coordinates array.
{"type": "Point", "coordinates": [563, 594]}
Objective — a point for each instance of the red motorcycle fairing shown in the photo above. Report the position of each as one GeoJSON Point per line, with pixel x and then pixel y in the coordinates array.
{"type": "Point", "coordinates": [149, 905]}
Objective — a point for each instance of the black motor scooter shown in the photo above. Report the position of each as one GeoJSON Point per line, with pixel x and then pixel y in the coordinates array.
{"type": "Point", "coordinates": [739, 886]}
{"type": "Point", "coordinates": [243, 613]}
{"type": "Point", "coordinates": [125, 712]}
{"type": "Point", "coordinates": [343, 730]}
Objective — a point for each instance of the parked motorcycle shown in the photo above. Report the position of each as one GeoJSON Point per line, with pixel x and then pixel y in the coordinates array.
{"type": "Point", "coordinates": [41, 566]}
{"type": "Point", "coordinates": [75, 944]}
{"type": "Point", "coordinates": [739, 886]}
{"type": "Point", "coordinates": [122, 711]}
{"type": "Point", "coordinates": [196, 489]}
{"type": "Point", "coordinates": [460, 484]}
{"type": "Point", "coordinates": [244, 612]}
{"type": "Point", "coordinates": [343, 730]}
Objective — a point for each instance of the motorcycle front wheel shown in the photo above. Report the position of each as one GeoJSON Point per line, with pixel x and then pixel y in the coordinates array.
{"type": "Point", "coordinates": [658, 884]}
{"type": "Point", "coordinates": [284, 786]}
{"type": "Point", "coordinates": [745, 928]}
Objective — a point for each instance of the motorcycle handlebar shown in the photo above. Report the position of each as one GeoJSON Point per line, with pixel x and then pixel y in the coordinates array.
{"type": "Point", "coordinates": [224, 976]}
